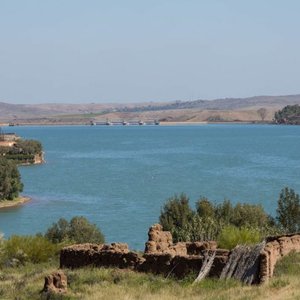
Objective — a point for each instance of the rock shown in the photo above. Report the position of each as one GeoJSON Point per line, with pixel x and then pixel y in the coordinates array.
{"type": "Point", "coordinates": [55, 283]}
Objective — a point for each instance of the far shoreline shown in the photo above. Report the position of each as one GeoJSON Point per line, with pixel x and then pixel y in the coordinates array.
{"type": "Point", "coordinates": [14, 203]}
{"type": "Point", "coordinates": [162, 123]}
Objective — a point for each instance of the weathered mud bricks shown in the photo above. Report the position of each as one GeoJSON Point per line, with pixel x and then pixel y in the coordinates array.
{"type": "Point", "coordinates": [276, 247]}
{"type": "Point", "coordinates": [162, 256]}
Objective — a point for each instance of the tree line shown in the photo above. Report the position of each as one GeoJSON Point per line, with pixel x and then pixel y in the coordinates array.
{"type": "Point", "coordinates": [10, 157]}
{"type": "Point", "coordinates": [228, 223]}
{"type": "Point", "coordinates": [290, 114]}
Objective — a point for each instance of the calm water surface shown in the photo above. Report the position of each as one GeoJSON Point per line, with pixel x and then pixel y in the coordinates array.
{"type": "Point", "coordinates": [119, 177]}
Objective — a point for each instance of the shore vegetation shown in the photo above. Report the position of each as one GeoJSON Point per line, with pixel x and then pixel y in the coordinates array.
{"type": "Point", "coordinates": [10, 180]}
{"type": "Point", "coordinates": [290, 114]}
{"type": "Point", "coordinates": [23, 151]}
{"type": "Point", "coordinates": [229, 223]}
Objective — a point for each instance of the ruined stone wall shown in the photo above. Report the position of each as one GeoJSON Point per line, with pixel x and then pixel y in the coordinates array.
{"type": "Point", "coordinates": [161, 242]}
{"type": "Point", "coordinates": [162, 256]}
{"type": "Point", "coordinates": [113, 255]}
{"type": "Point", "coordinates": [276, 247]}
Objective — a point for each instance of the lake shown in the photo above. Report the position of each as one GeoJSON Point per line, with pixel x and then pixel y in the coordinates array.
{"type": "Point", "coordinates": [120, 176]}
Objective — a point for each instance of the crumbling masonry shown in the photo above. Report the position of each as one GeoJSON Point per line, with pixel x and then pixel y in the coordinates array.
{"type": "Point", "coordinates": [161, 256]}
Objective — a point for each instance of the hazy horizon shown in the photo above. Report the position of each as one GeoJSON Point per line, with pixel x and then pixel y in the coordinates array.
{"type": "Point", "coordinates": [135, 51]}
{"type": "Point", "coordinates": [141, 102]}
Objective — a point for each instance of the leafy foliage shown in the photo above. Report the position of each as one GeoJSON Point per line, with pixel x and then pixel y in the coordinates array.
{"type": "Point", "coordinates": [176, 214]}
{"type": "Point", "coordinates": [78, 230]}
{"type": "Point", "coordinates": [10, 180]}
{"type": "Point", "coordinates": [288, 211]}
{"type": "Point", "coordinates": [209, 220]}
{"type": "Point", "coordinates": [23, 151]}
{"type": "Point", "coordinates": [290, 114]}
{"type": "Point", "coordinates": [231, 236]}
{"type": "Point", "coordinates": [33, 249]}
{"type": "Point", "coordinates": [198, 229]}
{"type": "Point", "coordinates": [27, 147]}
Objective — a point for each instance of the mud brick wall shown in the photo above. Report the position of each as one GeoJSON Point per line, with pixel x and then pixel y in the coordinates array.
{"type": "Point", "coordinates": [161, 256]}
{"type": "Point", "coordinates": [114, 255]}
{"type": "Point", "coordinates": [276, 247]}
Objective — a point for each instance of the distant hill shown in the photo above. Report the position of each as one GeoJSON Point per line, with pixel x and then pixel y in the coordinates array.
{"type": "Point", "coordinates": [218, 110]}
{"type": "Point", "coordinates": [222, 104]}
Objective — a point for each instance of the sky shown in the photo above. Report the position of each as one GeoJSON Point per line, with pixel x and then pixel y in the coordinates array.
{"type": "Point", "coordinates": [82, 51]}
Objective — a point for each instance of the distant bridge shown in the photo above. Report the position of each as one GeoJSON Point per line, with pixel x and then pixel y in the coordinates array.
{"type": "Point", "coordinates": [125, 123]}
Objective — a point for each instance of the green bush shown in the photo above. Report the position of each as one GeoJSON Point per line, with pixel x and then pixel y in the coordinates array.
{"type": "Point", "coordinates": [288, 210]}
{"type": "Point", "coordinates": [209, 219]}
{"type": "Point", "coordinates": [242, 214]}
{"type": "Point", "coordinates": [175, 214]}
{"type": "Point", "coordinates": [27, 147]}
{"type": "Point", "coordinates": [33, 249]}
{"type": "Point", "coordinates": [78, 230]}
{"type": "Point", "coordinates": [232, 236]}
{"type": "Point", "coordinates": [288, 115]}
{"type": "Point", "coordinates": [10, 180]}
{"type": "Point", "coordinates": [198, 229]}
{"type": "Point", "coordinates": [205, 208]}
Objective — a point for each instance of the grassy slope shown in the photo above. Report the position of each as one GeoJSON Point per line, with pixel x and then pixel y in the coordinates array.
{"type": "Point", "coordinates": [26, 282]}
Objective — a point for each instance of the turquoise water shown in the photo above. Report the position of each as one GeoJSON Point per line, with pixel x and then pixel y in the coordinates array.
{"type": "Point", "coordinates": [119, 177]}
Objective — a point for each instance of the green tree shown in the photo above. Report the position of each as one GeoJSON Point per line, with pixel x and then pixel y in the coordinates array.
{"type": "Point", "coordinates": [175, 214]}
{"type": "Point", "coordinates": [250, 215]}
{"type": "Point", "coordinates": [288, 210]}
{"type": "Point", "coordinates": [10, 180]}
{"type": "Point", "coordinates": [28, 147]}
{"type": "Point", "coordinates": [225, 211]}
{"type": "Point", "coordinates": [59, 231]}
{"type": "Point", "coordinates": [78, 230]}
{"type": "Point", "coordinates": [205, 208]}
{"type": "Point", "coordinates": [290, 114]}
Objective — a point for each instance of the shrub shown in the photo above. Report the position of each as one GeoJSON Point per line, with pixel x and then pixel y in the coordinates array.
{"type": "Point", "coordinates": [10, 180]}
{"type": "Point", "coordinates": [198, 229]}
{"type": "Point", "coordinates": [288, 210]}
{"type": "Point", "coordinates": [209, 219]}
{"type": "Point", "coordinates": [29, 147]}
{"type": "Point", "coordinates": [78, 230]}
{"type": "Point", "coordinates": [249, 215]}
{"type": "Point", "coordinates": [205, 208]}
{"type": "Point", "coordinates": [232, 236]}
{"type": "Point", "coordinates": [33, 249]}
{"type": "Point", "coordinates": [288, 115]}
{"type": "Point", "coordinates": [175, 214]}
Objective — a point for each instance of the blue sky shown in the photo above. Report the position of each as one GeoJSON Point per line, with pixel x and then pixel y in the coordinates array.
{"type": "Point", "coordinates": [156, 50]}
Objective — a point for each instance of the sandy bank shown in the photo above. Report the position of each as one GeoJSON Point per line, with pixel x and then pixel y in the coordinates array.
{"type": "Point", "coordinates": [12, 203]}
